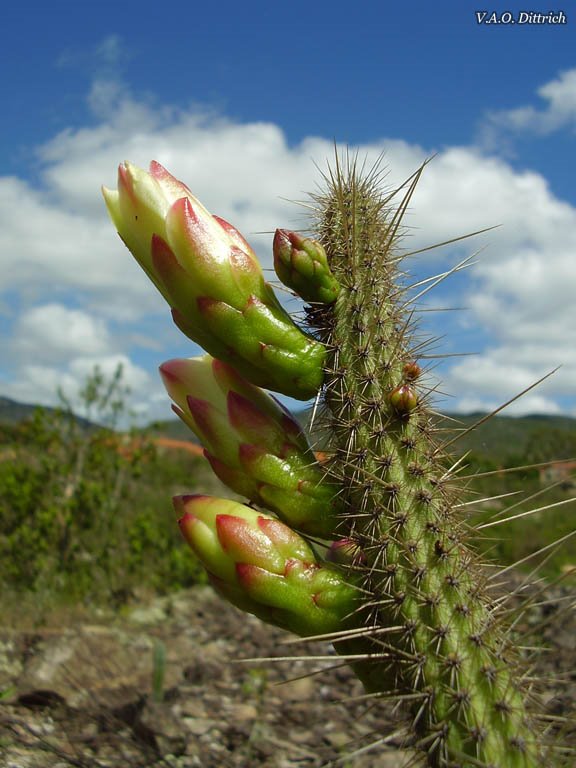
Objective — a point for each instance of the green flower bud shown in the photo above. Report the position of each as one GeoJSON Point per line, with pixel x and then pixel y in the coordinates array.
{"type": "Point", "coordinates": [262, 566]}
{"type": "Point", "coordinates": [302, 265]}
{"type": "Point", "coordinates": [213, 282]}
{"type": "Point", "coordinates": [253, 443]}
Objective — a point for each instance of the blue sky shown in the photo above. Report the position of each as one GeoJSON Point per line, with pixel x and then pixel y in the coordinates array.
{"type": "Point", "coordinates": [242, 101]}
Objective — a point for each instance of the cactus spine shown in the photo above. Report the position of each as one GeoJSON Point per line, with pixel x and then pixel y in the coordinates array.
{"type": "Point", "coordinates": [446, 651]}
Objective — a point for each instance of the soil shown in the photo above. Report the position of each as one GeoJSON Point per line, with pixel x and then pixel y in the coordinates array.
{"type": "Point", "coordinates": [173, 682]}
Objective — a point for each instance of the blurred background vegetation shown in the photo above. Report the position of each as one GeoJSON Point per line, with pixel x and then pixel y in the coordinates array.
{"type": "Point", "coordinates": [86, 515]}
{"type": "Point", "coordinates": [85, 509]}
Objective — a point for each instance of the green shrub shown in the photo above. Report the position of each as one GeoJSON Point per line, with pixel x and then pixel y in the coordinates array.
{"type": "Point", "coordinates": [83, 508]}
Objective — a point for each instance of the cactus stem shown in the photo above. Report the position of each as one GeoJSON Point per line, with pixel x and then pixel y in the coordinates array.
{"type": "Point", "coordinates": [452, 663]}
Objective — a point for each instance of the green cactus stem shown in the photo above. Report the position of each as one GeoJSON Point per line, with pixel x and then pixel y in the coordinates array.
{"type": "Point", "coordinates": [449, 652]}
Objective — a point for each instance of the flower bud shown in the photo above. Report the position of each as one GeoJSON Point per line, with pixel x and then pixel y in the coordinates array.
{"type": "Point", "coordinates": [403, 399]}
{"type": "Point", "coordinates": [260, 565]}
{"type": "Point", "coordinates": [213, 282]}
{"type": "Point", "coordinates": [253, 443]}
{"type": "Point", "coordinates": [302, 265]}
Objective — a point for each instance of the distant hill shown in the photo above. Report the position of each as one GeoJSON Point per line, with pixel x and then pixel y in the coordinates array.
{"type": "Point", "coordinates": [501, 438]}
{"type": "Point", "coordinates": [13, 412]}
{"type": "Point", "coordinates": [172, 428]}
{"type": "Point", "coordinates": [504, 438]}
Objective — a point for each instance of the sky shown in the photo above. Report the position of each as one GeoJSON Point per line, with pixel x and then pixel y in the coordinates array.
{"type": "Point", "coordinates": [244, 103]}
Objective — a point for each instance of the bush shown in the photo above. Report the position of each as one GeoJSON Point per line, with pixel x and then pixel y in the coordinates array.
{"type": "Point", "coordinates": [84, 509]}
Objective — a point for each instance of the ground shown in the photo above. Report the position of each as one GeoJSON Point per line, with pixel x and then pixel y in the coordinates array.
{"type": "Point", "coordinates": [171, 682]}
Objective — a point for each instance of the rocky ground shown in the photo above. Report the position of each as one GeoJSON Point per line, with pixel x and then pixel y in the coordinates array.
{"type": "Point", "coordinates": [171, 683]}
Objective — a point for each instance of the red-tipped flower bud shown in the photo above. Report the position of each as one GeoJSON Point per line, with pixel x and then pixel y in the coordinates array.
{"type": "Point", "coordinates": [262, 566]}
{"type": "Point", "coordinates": [411, 371]}
{"type": "Point", "coordinates": [253, 443]}
{"type": "Point", "coordinates": [302, 265]}
{"type": "Point", "coordinates": [211, 278]}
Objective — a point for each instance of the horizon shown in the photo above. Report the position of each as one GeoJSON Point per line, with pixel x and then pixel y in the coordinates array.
{"type": "Point", "coordinates": [296, 412]}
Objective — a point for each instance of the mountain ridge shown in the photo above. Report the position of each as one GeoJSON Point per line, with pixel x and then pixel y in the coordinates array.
{"type": "Point", "coordinates": [500, 438]}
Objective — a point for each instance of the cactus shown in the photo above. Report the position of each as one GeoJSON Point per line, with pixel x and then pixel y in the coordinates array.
{"type": "Point", "coordinates": [449, 653]}
{"type": "Point", "coordinates": [407, 599]}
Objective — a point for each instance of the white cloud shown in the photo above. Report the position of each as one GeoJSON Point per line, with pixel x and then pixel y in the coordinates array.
{"type": "Point", "coordinates": [110, 51]}
{"type": "Point", "coordinates": [46, 249]}
{"type": "Point", "coordinates": [558, 112]}
{"type": "Point", "coordinates": [53, 332]}
{"type": "Point", "coordinates": [463, 190]}
{"type": "Point", "coordinates": [39, 384]}
{"type": "Point", "coordinates": [484, 383]}
{"type": "Point", "coordinates": [54, 347]}
{"type": "Point", "coordinates": [56, 242]}
{"type": "Point", "coordinates": [528, 405]}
